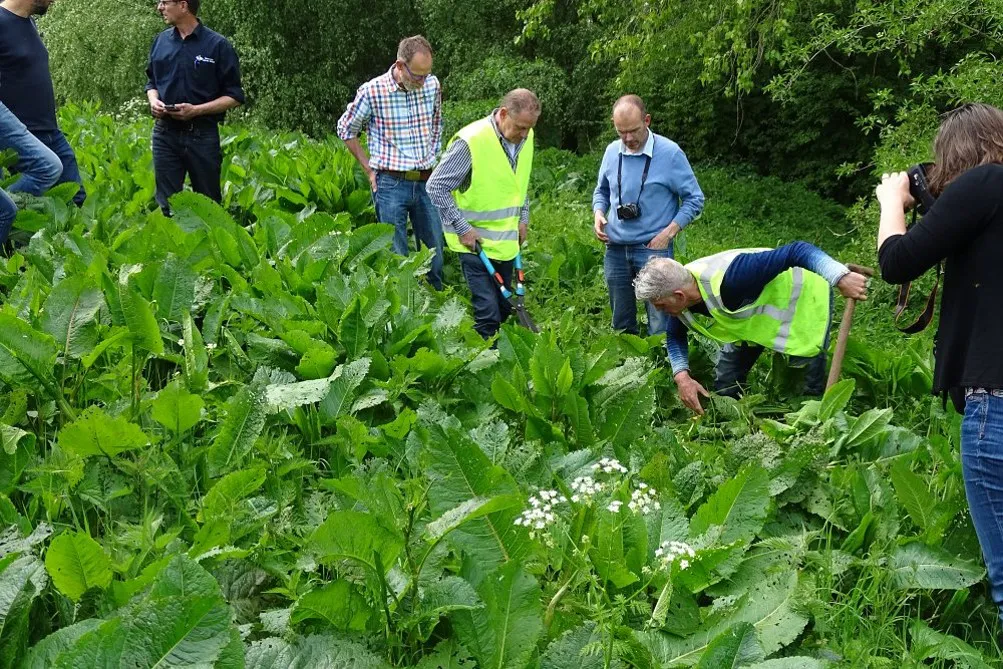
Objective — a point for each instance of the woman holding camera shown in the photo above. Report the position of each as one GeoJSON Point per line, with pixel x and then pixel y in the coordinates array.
{"type": "Point", "coordinates": [963, 229]}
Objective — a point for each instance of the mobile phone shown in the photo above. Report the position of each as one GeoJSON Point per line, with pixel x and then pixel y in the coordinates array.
{"type": "Point", "coordinates": [171, 108]}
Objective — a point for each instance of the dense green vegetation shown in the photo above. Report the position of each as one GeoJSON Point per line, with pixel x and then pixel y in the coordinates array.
{"type": "Point", "coordinates": [250, 436]}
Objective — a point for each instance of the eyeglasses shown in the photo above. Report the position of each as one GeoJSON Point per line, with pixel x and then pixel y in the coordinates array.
{"type": "Point", "coordinates": [169, 2]}
{"type": "Point", "coordinates": [416, 77]}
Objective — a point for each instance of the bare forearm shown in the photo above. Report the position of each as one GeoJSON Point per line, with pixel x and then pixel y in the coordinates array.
{"type": "Point", "coordinates": [152, 95]}
{"type": "Point", "coordinates": [218, 106]}
{"type": "Point", "coordinates": [892, 221]}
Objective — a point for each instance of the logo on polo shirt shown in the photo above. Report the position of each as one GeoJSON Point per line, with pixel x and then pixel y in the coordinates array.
{"type": "Point", "coordinates": [204, 59]}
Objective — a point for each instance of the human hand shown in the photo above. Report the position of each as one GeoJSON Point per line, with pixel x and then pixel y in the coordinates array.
{"type": "Point", "coordinates": [661, 241]}
{"type": "Point", "coordinates": [599, 227]}
{"type": "Point", "coordinates": [184, 111]}
{"type": "Point", "coordinates": [853, 286]}
{"type": "Point", "coordinates": [158, 108]}
{"type": "Point", "coordinates": [690, 391]}
{"type": "Point", "coordinates": [372, 178]}
{"type": "Point", "coordinates": [893, 191]}
{"type": "Point", "coordinates": [523, 233]}
{"type": "Point", "coordinates": [470, 239]}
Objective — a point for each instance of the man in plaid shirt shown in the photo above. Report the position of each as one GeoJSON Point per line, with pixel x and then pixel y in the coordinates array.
{"type": "Point", "coordinates": [401, 111]}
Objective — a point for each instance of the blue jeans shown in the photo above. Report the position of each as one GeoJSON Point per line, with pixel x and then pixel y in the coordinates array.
{"type": "Point", "coordinates": [56, 142]}
{"type": "Point", "coordinates": [395, 200]}
{"type": "Point", "coordinates": [982, 465]}
{"type": "Point", "coordinates": [621, 266]}
{"type": "Point", "coordinates": [38, 166]}
{"type": "Point", "coordinates": [191, 149]}
{"type": "Point", "coordinates": [490, 307]}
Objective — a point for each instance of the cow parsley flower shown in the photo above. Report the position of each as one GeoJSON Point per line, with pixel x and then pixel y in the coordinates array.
{"type": "Point", "coordinates": [644, 500]}
{"type": "Point", "coordinates": [540, 514]}
{"type": "Point", "coordinates": [669, 551]}
{"type": "Point", "coordinates": [608, 466]}
{"type": "Point", "coordinates": [584, 488]}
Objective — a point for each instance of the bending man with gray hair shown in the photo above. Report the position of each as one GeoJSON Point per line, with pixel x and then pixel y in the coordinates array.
{"type": "Point", "coordinates": [748, 300]}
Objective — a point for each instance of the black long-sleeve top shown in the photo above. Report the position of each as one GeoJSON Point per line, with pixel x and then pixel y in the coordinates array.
{"type": "Point", "coordinates": [964, 228]}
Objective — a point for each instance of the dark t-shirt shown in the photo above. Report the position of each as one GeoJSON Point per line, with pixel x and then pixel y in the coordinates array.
{"type": "Point", "coordinates": [964, 228]}
{"type": "Point", "coordinates": [197, 69]}
{"type": "Point", "coordinates": [25, 80]}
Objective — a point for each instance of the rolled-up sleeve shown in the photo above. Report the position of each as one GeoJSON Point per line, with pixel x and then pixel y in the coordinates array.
{"type": "Point", "coordinates": [356, 116]}
{"type": "Point", "coordinates": [229, 76]}
{"type": "Point", "coordinates": [448, 176]}
{"type": "Point", "coordinates": [685, 185]}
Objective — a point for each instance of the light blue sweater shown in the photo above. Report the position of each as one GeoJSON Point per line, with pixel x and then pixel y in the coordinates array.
{"type": "Point", "coordinates": [671, 192]}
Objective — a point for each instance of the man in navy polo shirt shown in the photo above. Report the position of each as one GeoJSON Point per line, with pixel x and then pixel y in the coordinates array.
{"type": "Point", "coordinates": [193, 79]}
{"type": "Point", "coordinates": [26, 83]}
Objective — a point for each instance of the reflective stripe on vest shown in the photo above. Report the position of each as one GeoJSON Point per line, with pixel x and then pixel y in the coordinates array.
{"type": "Point", "coordinates": [493, 203]}
{"type": "Point", "coordinates": [796, 327]}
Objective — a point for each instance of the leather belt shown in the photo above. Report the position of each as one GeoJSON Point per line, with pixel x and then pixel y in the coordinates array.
{"type": "Point", "coordinates": [410, 175]}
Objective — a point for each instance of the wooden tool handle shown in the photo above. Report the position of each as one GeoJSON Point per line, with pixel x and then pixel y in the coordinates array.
{"type": "Point", "coordinates": [860, 269]}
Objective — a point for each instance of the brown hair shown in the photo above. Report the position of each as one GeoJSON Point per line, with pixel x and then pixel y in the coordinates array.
{"type": "Point", "coordinates": [409, 47]}
{"type": "Point", "coordinates": [521, 100]}
{"type": "Point", "coordinates": [969, 136]}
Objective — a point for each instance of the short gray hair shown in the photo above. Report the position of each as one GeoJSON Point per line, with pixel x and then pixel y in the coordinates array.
{"type": "Point", "coordinates": [631, 100]}
{"type": "Point", "coordinates": [521, 100]}
{"type": "Point", "coordinates": [659, 278]}
{"type": "Point", "coordinates": [411, 46]}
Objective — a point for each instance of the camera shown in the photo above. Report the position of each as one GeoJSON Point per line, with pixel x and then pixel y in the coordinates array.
{"type": "Point", "coordinates": [919, 188]}
{"type": "Point", "coordinates": [629, 211]}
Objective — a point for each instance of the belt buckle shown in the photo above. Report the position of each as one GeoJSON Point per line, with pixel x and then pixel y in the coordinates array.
{"type": "Point", "coordinates": [412, 175]}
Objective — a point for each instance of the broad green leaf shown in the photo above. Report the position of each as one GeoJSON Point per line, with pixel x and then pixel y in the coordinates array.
{"type": "Point", "coordinates": [222, 500]}
{"type": "Point", "coordinates": [739, 506]}
{"type": "Point", "coordinates": [836, 398]}
{"type": "Point", "coordinates": [177, 409]}
{"type": "Point", "coordinates": [460, 471]}
{"type": "Point", "coordinates": [97, 433]}
{"type": "Point", "coordinates": [22, 579]}
{"type": "Point", "coordinates": [44, 654]}
{"type": "Point", "coordinates": [790, 663]}
{"type": "Point", "coordinates": [119, 336]}
{"type": "Point", "coordinates": [576, 408]}
{"type": "Point", "coordinates": [183, 577]}
{"type": "Point", "coordinates": [917, 565]}
{"type": "Point", "coordinates": [139, 319]}
{"type": "Point", "coordinates": [607, 552]}
{"type": "Point", "coordinates": [318, 362]}
{"type": "Point", "coordinates": [174, 290]}
{"type": "Point", "coordinates": [196, 355]}
{"type": "Point", "coordinates": [312, 652]}
{"type": "Point", "coordinates": [366, 241]}
{"type": "Point", "coordinates": [76, 563]}
{"type": "Point", "coordinates": [342, 390]}
{"type": "Point", "coordinates": [737, 646]}
{"type": "Point", "coordinates": [288, 396]}
{"type": "Point", "coordinates": [353, 333]}
{"type": "Point", "coordinates": [245, 419]}
{"type": "Point", "coordinates": [177, 632]}
{"type": "Point", "coordinates": [27, 356]}
{"type": "Point", "coordinates": [469, 510]}
{"type": "Point", "coordinates": [625, 411]}
{"type": "Point", "coordinates": [567, 651]}
{"type": "Point", "coordinates": [868, 427]}
{"type": "Point", "coordinates": [929, 644]}
{"type": "Point", "coordinates": [11, 437]}
{"type": "Point", "coordinates": [449, 593]}
{"type": "Point", "coordinates": [506, 394]}
{"type": "Point", "coordinates": [504, 633]}
{"type": "Point", "coordinates": [356, 536]}
{"type": "Point", "coordinates": [338, 604]}
{"type": "Point", "coordinates": [914, 495]}
{"type": "Point", "coordinates": [69, 315]}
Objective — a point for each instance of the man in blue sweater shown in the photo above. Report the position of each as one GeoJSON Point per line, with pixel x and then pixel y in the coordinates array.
{"type": "Point", "coordinates": [645, 195]}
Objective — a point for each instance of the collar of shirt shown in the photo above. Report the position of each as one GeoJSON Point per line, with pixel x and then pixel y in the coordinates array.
{"type": "Point", "coordinates": [647, 150]}
{"type": "Point", "coordinates": [194, 34]}
{"type": "Point", "coordinates": [511, 148]}
{"type": "Point", "coordinates": [394, 86]}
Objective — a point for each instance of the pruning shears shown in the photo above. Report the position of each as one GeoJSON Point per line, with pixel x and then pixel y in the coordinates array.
{"type": "Point", "coordinates": [518, 298]}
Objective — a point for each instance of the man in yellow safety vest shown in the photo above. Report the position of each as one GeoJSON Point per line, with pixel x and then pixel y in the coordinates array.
{"type": "Point", "coordinates": [481, 189]}
{"type": "Point", "coordinates": [748, 300]}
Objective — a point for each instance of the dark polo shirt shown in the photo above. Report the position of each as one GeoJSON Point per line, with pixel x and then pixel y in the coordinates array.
{"type": "Point", "coordinates": [25, 80]}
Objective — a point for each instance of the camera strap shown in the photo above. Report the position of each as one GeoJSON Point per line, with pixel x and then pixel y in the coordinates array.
{"type": "Point", "coordinates": [902, 302]}
{"type": "Point", "coordinates": [619, 178]}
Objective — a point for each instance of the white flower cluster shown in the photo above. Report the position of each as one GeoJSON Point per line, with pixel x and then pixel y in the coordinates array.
{"type": "Point", "coordinates": [540, 513]}
{"type": "Point", "coordinates": [670, 550]}
{"type": "Point", "coordinates": [584, 488]}
{"type": "Point", "coordinates": [644, 499]}
{"type": "Point", "coordinates": [608, 466]}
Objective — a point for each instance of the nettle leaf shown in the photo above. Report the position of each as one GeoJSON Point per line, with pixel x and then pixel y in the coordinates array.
{"type": "Point", "coordinates": [177, 409]}
{"type": "Point", "coordinates": [504, 633]}
{"type": "Point", "coordinates": [739, 507]}
{"type": "Point", "coordinates": [27, 356]}
{"type": "Point", "coordinates": [245, 419]}
{"type": "Point", "coordinates": [70, 315]}
{"type": "Point", "coordinates": [312, 652]}
{"type": "Point", "coordinates": [338, 604]}
{"type": "Point", "coordinates": [356, 536]}
{"type": "Point", "coordinates": [174, 290]}
{"type": "Point", "coordinates": [97, 433]}
{"type": "Point", "coordinates": [76, 564]}
{"type": "Point", "coordinates": [917, 565]}
{"type": "Point", "coordinates": [737, 646]}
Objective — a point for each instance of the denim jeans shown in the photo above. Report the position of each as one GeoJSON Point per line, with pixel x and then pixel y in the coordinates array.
{"type": "Point", "coordinates": [982, 465]}
{"type": "Point", "coordinates": [38, 166]}
{"type": "Point", "coordinates": [56, 142]}
{"type": "Point", "coordinates": [191, 149]}
{"type": "Point", "coordinates": [396, 199]}
{"type": "Point", "coordinates": [490, 307]}
{"type": "Point", "coordinates": [621, 266]}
